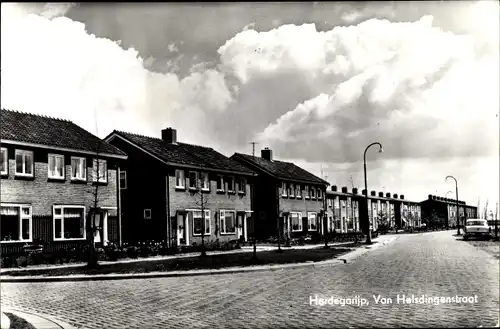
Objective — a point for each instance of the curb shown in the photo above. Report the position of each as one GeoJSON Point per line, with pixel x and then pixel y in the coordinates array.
{"type": "Point", "coordinates": [4, 321]}
{"type": "Point", "coordinates": [152, 275]}
{"type": "Point", "coordinates": [40, 321]}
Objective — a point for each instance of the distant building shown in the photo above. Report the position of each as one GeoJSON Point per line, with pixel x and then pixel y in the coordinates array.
{"type": "Point", "coordinates": [286, 196]}
{"type": "Point", "coordinates": [442, 212]}
{"type": "Point", "coordinates": [346, 209]}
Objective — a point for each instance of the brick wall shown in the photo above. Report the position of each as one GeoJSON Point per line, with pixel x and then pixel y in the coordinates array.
{"type": "Point", "coordinates": [42, 193]}
{"type": "Point", "coordinates": [214, 202]}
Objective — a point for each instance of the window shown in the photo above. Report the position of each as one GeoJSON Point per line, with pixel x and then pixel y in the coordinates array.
{"type": "Point", "coordinates": [147, 213]}
{"type": "Point", "coordinates": [179, 179]}
{"type": "Point", "coordinates": [230, 184]}
{"type": "Point", "coordinates": [298, 191]}
{"type": "Point", "coordinates": [296, 221]}
{"type": "Point", "coordinates": [329, 202]}
{"type": "Point", "coordinates": [24, 163]}
{"type": "Point", "coordinates": [205, 182]}
{"type": "Point", "coordinates": [193, 180]}
{"type": "Point", "coordinates": [242, 185]}
{"type": "Point", "coordinates": [319, 194]}
{"type": "Point", "coordinates": [69, 222]}
{"type": "Point", "coordinates": [343, 203]}
{"type": "Point", "coordinates": [56, 166]}
{"type": "Point", "coordinates": [283, 189]}
{"type": "Point", "coordinates": [311, 221]}
{"type": "Point", "coordinates": [306, 192]}
{"type": "Point", "coordinates": [15, 223]}
{"type": "Point", "coordinates": [228, 221]}
{"type": "Point", "coordinates": [220, 183]}
{"type": "Point", "coordinates": [290, 190]}
{"type": "Point", "coordinates": [4, 162]}
{"type": "Point", "coordinates": [312, 193]}
{"type": "Point", "coordinates": [198, 222]}
{"type": "Point", "coordinates": [78, 168]}
{"type": "Point", "coordinates": [99, 171]}
{"type": "Point", "coordinates": [123, 180]}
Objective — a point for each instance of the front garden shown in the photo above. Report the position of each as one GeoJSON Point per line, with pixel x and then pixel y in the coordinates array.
{"type": "Point", "coordinates": [36, 254]}
{"type": "Point", "coordinates": [219, 261]}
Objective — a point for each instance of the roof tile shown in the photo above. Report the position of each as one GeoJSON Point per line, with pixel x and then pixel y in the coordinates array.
{"type": "Point", "coordinates": [48, 131]}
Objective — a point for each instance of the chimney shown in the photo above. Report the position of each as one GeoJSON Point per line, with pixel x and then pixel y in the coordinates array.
{"type": "Point", "coordinates": [430, 196]}
{"type": "Point", "coordinates": [334, 188]}
{"type": "Point", "coordinates": [354, 190]}
{"type": "Point", "coordinates": [344, 189]}
{"type": "Point", "coordinates": [364, 192]}
{"type": "Point", "coordinates": [395, 196]}
{"type": "Point", "coordinates": [402, 196]}
{"type": "Point", "coordinates": [388, 195]}
{"type": "Point", "coordinates": [374, 193]}
{"type": "Point", "coordinates": [169, 135]}
{"type": "Point", "coordinates": [381, 194]}
{"type": "Point", "coordinates": [266, 154]}
{"type": "Point", "coordinates": [433, 197]}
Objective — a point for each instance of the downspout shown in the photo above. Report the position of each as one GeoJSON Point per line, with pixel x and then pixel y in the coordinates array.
{"type": "Point", "coordinates": [169, 219]}
{"type": "Point", "coordinates": [119, 206]}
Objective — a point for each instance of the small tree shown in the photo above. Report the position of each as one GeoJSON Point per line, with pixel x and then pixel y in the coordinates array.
{"type": "Point", "coordinates": [97, 176]}
{"type": "Point", "coordinates": [202, 202]}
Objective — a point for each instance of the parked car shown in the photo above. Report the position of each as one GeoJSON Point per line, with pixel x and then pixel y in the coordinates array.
{"type": "Point", "coordinates": [477, 228]}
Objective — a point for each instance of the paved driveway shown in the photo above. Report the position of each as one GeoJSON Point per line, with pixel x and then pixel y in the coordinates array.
{"type": "Point", "coordinates": [432, 264]}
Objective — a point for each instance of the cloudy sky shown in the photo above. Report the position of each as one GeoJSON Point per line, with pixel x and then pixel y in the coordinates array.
{"type": "Point", "coordinates": [315, 82]}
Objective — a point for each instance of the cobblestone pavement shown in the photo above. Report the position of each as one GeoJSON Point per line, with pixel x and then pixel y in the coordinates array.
{"type": "Point", "coordinates": [435, 264]}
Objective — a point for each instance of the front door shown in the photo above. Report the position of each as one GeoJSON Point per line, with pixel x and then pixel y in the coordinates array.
{"type": "Point", "coordinates": [182, 229]}
{"type": "Point", "coordinates": [249, 227]}
{"type": "Point", "coordinates": [100, 220]}
{"type": "Point", "coordinates": [239, 220]}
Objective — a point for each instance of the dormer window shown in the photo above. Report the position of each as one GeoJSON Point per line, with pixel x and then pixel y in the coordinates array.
{"type": "Point", "coordinates": [290, 190]}
{"type": "Point", "coordinates": [298, 188]}
{"type": "Point", "coordinates": [319, 194]}
{"type": "Point", "coordinates": [306, 192]}
{"type": "Point", "coordinates": [313, 194]}
{"type": "Point", "coordinates": [283, 189]}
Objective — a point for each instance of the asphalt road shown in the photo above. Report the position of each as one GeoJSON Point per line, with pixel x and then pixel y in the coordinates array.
{"type": "Point", "coordinates": [433, 264]}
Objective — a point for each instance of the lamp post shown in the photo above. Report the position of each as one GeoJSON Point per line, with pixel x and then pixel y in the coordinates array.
{"type": "Point", "coordinates": [446, 195]}
{"type": "Point", "coordinates": [369, 234]}
{"type": "Point", "coordinates": [456, 194]}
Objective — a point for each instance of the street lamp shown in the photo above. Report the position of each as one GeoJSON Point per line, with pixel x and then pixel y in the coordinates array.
{"type": "Point", "coordinates": [456, 194]}
{"type": "Point", "coordinates": [369, 234]}
{"type": "Point", "coordinates": [446, 195]}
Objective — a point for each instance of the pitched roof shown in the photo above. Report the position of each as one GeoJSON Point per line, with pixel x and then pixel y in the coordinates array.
{"type": "Point", "coordinates": [281, 169]}
{"type": "Point", "coordinates": [52, 132]}
{"type": "Point", "coordinates": [185, 154]}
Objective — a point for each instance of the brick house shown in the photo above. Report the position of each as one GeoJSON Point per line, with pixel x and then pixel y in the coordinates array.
{"type": "Point", "coordinates": [285, 195]}
{"type": "Point", "coordinates": [49, 172]}
{"type": "Point", "coordinates": [166, 182]}
{"type": "Point", "coordinates": [345, 209]}
{"type": "Point", "coordinates": [440, 211]}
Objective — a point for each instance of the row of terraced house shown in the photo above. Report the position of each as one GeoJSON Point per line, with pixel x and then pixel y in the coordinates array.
{"type": "Point", "coordinates": [151, 188]}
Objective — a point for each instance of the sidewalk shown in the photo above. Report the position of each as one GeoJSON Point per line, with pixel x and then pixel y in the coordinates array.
{"type": "Point", "coordinates": [37, 321]}
{"type": "Point", "coordinates": [378, 242]}
{"type": "Point", "coordinates": [156, 258]}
